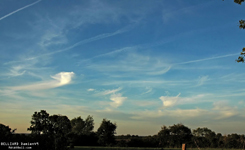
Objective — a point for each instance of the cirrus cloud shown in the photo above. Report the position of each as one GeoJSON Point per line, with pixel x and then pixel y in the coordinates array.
{"type": "Point", "coordinates": [117, 100]}
{"type": "Point", "coordinates": [60, 79]}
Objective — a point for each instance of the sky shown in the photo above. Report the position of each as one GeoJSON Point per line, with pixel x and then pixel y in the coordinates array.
{"type": "Point", "coordinates": [141, 64]}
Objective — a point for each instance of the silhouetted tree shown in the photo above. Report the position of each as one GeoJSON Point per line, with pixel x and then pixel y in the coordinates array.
{"type": "Point", "coordinates": [81, 127]}
{"type": "Point", "coordinates": [241, 26]}
{"type": "Point", "coordinates": [5, 133]}
{"type": "Point", "coordinates": [180, 134]}
{"type": "Point", "coordinates": [54, 129]}
{"type": "Point", "coordinates": [106, 133]}
{"type": "Point", "coordinates": [59, 127]}
{"type": "Point", "coordinates": [174, 136]}
{"type": "Point", "coordinates": [39, 122]}
{"type": "Point", "coordinates": [163, 136]}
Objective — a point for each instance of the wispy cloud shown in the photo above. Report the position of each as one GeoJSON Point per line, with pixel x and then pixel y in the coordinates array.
{"type": "Point", "coordinates": [205, 59]}
{"type": "Point", "coordinates": [131, 63]}
{"type": "Point", "coordinates": [117, 100]}
{"type": "Point", "coordinates": [170, 101]}
{"type": "Point", "coordinates": [95, 38]}
{"type": "Point", "coordinates": [202, 80]}
{"type": "Point", "coordinates": [176, 113]}
{"type": "Point", "coordinates": [111, 53]}
{"type": "Point", "coordinates": [149, 89]}
{"type": "Point", "coordinates": [90, 90]}
{"type": "Point", "coordinates": [111, 91]}
{"type": "Point", "coordinates": [60, 79]}
{"type": "Point", "coordinates": [224, 109]}
{"type": "Point", "coordinates": [19, 10]}
{"type": "Point", "coordinates": [16, 71]}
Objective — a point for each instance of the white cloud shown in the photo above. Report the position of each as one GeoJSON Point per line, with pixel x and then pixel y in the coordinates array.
{"type": "Point", "coordinates": [90, 90]}
{"type": "Point", "coordinates": [130, 62]}
{"type": "Point", "coordinates": [162, 71]}
{"type": "Point", "coordinates": [63, 78]}
{"type": "Point", "coordinates": [176, 113]}
{"type": "Point", "coordinates": [149, 89]}
{"type": "Point", "coordinates": [52, 37]}
{"type": "Point", "coordinates": [60, 79]}
{"type": "Point", "coordinates": [19, 10]}
{"type": "Point", "coordinates": [202, 80]}
{"type": "Point", "coordinates": [17, 71]}
{"type": "Point", "coordinates": [117, 100]}
{"type": "Point", "coordinates": [224, 109]}
{"type": "Point", "coordinates": [205, 59]}
{"type": "Point", "coordinates": [169, 101]}
{"type": "Point", "coordinates": [111, 91]}
{"type": "Point", "coordinates": [145, 103]}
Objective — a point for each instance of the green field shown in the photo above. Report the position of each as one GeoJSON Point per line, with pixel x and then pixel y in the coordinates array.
{"type": "Point", "coordinates": [119, 148]}
{"type": "Point", "coordinates": [139, 148]}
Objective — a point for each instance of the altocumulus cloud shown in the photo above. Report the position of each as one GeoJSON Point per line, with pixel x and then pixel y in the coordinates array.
{"type": "Point", "coordinates": [59, 79]}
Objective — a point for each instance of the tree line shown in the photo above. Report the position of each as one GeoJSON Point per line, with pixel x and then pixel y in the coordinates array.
{"type": "Point", "coordinates": [241, 26]}
{"type": "Point", "coordinates": [57, 132]}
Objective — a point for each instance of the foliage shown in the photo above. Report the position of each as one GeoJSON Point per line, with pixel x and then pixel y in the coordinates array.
{"type": "Point", "coordinates": [241, 26]}
{"type": "Point", "coordinates": [54, 128]}
{"type": "Point", "coordinates": [106, 133]}
{"type": "Point", "coordinates": [174, 136]}
{"type": "Point", "coordinates": [5, 133]}
{"type": "Point", "coordinates": [205, 137]}
{"type": "Point", "coordinates": [81, 127]}
{"type": "Point", "coordinates": [39, 122]}
{"type": "Point", "coordinates": [239, 1]}
{"type": "Point", "coordinates": [57, 132]}
{"type": "Point", "coordinates": [163, 136]}
{"type": "Point", "coordinates": [241, 58]}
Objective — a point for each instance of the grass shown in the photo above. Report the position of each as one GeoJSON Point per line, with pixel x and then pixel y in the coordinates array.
{"type": "Point", "coordinates": [118, 148]}
{"type": "Point", "coordinates": [138, 148]}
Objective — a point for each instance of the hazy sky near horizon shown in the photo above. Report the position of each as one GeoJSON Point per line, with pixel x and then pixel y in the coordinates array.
{"type": "Point", "coordinates": [141, 64]}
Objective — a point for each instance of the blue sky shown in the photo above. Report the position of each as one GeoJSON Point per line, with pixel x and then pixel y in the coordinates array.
{"type": "Point", "coordinates": [141, 64]}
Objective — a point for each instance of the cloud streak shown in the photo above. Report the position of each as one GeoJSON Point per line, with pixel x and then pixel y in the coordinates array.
{"type": "Point", "coordinates": [19, 10]}
{"type": "Point", "coordinates": [95, 38]}
{"type": "Point", "coordinates": [170, 101]}
{"type": "Point", "coordinates": [198, 60]}
{"type": "Point", "coordinates": [60, 79]}
{"type": "Point", "coordinates": [111, 91]}
{"type": "Point", "coordinates": [202, 80]}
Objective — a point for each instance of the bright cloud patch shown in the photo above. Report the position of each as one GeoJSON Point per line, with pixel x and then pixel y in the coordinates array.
{"type": "Point", "coordinates": [117, 100]}
{"type": "Point", "coordinates": [60, 79]}
{"type": "Point", "coordinates": [90, 90]}
{"type": "Point", "coordinates": [111, 91]}
{"type": "Point", "coordinates": [169, 101]}
{"type": "Point", "coordinates": [224, 109]}
{"type": "Point", "coordinates": [63, 78]}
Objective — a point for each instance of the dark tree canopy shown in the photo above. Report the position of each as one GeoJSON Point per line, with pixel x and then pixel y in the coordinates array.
{"type": "Point", "coordinates": [239, 1]}
{"type": "Point", "coordinates": [174, 135]}
{"type": "Point", "coordinates": [106, 132]}
{"type": "Point", "coordinates": [81, 127]}
{"type": "Point", "coordinates": [163, 136]}
{"type": "Point", "coordinates": [241, 26]}
{"type": "Point", "coordinates": [39, 122]}
{"type": "Point", "coordinates": [5, 132]}
{"type": "Point", "coordinates": [55, 128]}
